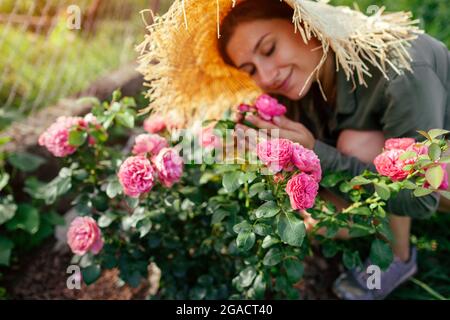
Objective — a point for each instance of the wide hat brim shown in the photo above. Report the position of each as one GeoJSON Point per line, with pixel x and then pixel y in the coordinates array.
{"type": "Point", "coordinates": [185, 73]}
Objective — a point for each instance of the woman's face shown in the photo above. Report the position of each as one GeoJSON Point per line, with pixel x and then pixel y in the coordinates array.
{"type": "Point", "coordinates": [274, 56]}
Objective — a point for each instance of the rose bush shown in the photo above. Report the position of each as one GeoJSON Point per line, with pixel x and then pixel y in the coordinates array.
{"type": "Point", "coordinates": [230, 229]}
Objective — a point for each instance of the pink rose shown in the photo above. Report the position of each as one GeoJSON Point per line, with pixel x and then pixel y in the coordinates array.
{"type": "Point", "coordinates": [84, 235]}
{"type": "Point", "coordinates": [56, 137]}
{"type": "Point", "coordinates": [169, 166]}
{"type": "Point", "coordinates": [399, 143]}
{"type": "Point", "coordinates": [275, 153]}
{"type": "Point", "coordinates": [269, 107]}
{"type": "Point", "coordinates": [149, 143]}
{"type": "Point", "coordinates": [154, 123]}
{"type": "Point", "coordinates": [208, 139]}
{"type": "Point", "coordinates": [302, 190]}
{"type": "Point", "coordinates": [136, 175]}
{"type": "Point", "coordinates": [388, 164]}
{"type": "Point", "coordinates": [307, 161]}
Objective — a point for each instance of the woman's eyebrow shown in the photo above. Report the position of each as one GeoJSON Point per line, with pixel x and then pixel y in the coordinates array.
{"type": "Point", "coordinates": [259, 42]}
{"type": "Point", "coordinates": [255, 48]}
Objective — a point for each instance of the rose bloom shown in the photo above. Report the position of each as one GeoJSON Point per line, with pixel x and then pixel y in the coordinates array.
{"type": "Point", "coordinates": [275, 153]}
{"type": "Point", "coordinates": [149, 143]}
{"type": "Point", "coordinates": [208, 139]}
{"type": "Point", "coordinates": [154, 123]}
{"type": "Point", "coordinates": [84, 235]}
{"type": "Point", "coordinates": [269, 107]}
{"type": "Point", "coordinates": [399, 143]}
{"type": "Point", "coordinates": [56, 137]}
{"type": "Point", "coordinates": [136, 175]}
{"type": "Point", "coordinates": [388, 164]}
{"type": "Point", "coordinates": [302, 190]}
{"type": "Point", "coordinates": [169, 166]}
{"type": "Point", "coordinates": [307, 161]}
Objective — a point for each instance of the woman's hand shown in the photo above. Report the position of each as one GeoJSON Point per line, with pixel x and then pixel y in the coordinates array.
{"type": "Point", "coordinates": [289, 129]}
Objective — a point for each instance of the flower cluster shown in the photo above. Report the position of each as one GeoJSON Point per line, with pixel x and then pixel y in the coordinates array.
{"type": "Point", "coordinates": [153, 159]}
{"type": "Point", "coordinates": [265, 106]}
{"type": "Point", "coordinates": [391, 164]}
{"type": "Point", "coordinates": [157, 123]}
{"type": "Point", "coordinates": [283, 154]}
{"type": "Point", "coordinates": [56, 137]}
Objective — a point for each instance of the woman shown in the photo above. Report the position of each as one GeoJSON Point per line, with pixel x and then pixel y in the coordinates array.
{"type": "Point", "coordinates": [345, 97]}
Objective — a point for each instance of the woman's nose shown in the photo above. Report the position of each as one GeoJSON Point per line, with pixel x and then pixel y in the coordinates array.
{"type": "Point", "coordinates": [267, 75]}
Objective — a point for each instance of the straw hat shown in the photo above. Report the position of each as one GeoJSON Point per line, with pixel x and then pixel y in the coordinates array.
{"type": "Point", "coordinates": [184, 71]}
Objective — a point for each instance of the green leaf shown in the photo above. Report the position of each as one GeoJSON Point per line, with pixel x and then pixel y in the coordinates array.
{"type": "Point", "coordinates": [435, 176]}
{"type": "Point", "coordinates": [247, 276]}
{"type": "Point", "coordinates": [407, 184]}
{"type": "Point", "coordinates": [262, 229]}
{"type": "Point", "coordinates": [434, 133]}
{"type": "Point", "coordinates": [25, 161]}
{"type": "Point", "coordinates": [259, 286]}
{"type": "Point", "coordinates": [381, 254]}
{"type": "Point", "coordinates": [126, 118]}
{"type": "Point", "coordinates": [383, 191]}
{"type": "Point", "coordinates": [245, 240]}
{"type": "Point", "coordinates": [385, 230]}
{"type": "Point", "coordinates": [360, 230]}
{"type": "Point", "coordinates": [445, 159]}
{"type": "Point", "coordinates": [4, 178]}
{"type": "Point", "coordinates": [345, 187]}
{"type": "Point", "coordinates": [363, 211]}
{"type": "Point", "coordinates": [267, 210]}
{"type": "Point", "coordinates": [230, 181]}
{"type": "Point", "coordinates": [218, 216]}
{"type": "Point", "coordinates": [351, 259]}
{"type": "Point", "coordinates": [421, 192]}
{"type": "Point", "coordinates": [273, 257]}
{"type": "Point", "coordinates": [256, 188]}
{"type": "Point", "coordinates": [7, 212]}
{"type": "Point", "coordinates": [294, 270]}
{"type": "Point", "coordinates": [425, 134]}
{"type": "Point", "coordinates": [269, 241]}
{"type": "Point", "coordinates": [26, 218]}
{"type": "Point", "coordinates": [434, 151]}
{"type": "Point", "coordinates": [6, 247]}
{"type": "Point", "coordinates": [359, 181]}
{"type": "Point", "coordinates": [242, 226]}
{"type": "Point", "coordinates": [331, 180]}
{"type": "Point", "coordinates": [91, 274]}
{"type": "Point", "coordinates": [291, 229]}
{"type": "Point", "coordinates": [106, 219]}
{"type": "Point", "coordinates": [407, 155]}
{"type": "Point", "coordinates": [77, 138]}
{"type": "Point", "coordinates": [114, 188]}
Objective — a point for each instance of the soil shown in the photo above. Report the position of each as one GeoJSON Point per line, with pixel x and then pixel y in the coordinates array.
{"type": "Point", "coordinates": [42, 275]}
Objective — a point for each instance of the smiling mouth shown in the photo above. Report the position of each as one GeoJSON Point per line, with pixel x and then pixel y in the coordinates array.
{"type": "Point", "coordinates": [285, 84]}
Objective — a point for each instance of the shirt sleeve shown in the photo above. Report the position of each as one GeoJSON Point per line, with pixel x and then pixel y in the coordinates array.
{"type": "Point", "coordinates": [414, 101]}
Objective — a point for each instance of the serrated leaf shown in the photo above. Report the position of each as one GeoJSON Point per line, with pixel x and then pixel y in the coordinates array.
{"type": "Point", "coordinates": [269, 241]}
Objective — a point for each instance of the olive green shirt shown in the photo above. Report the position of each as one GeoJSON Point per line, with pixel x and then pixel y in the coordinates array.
{"type": "Point", "coordinates": [417, 100]}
